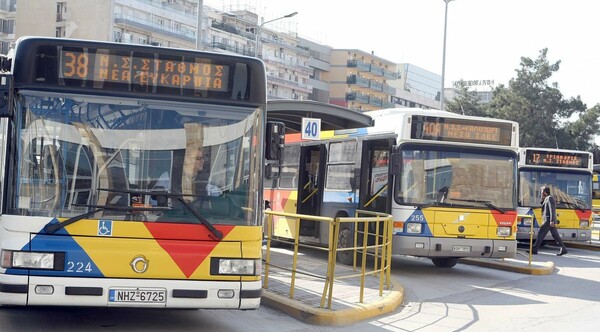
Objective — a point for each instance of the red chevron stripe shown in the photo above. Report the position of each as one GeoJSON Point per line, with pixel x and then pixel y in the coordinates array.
{"type": "Point", "coordinates": [187, 244]}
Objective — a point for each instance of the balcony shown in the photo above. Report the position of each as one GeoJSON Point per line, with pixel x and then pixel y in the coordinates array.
{"type": "Point", "coordinates": [390, 90]}
{"type": "Point", "coordinates": [390, 75]}
{"type": "Point", "coordinates": [358, 80]}
{"type": "Point", "coordinates": [232, 29]}
{"type": "Point", "coordinates": [376, 85]}
{"type": "Point", "coordinates": [285, 62]}
{"type": "Point", "coordinates": [231, 48]}
{"type": "Point", "coordinates": [357, 96]}
{"type": "Point", "coordinates": [187, 35]}
{"type": "Point", "coordinates": [376, 101]}
{"type": "Point", "coordinates": [159, 4]}
{"type": "Point", "coordinates": [359, 64]}
{"type": "Point", "coordinates": [377, 70]}
{"type": "Point", "coordinates": [275, 79]}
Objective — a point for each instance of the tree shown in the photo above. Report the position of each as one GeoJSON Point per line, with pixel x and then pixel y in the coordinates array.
{"type": "Point", "coordinates": [544, 116]}
{"type": "Point", "coordinates": [466, 102]}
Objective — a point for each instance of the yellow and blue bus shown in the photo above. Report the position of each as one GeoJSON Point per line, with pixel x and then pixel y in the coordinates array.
{"type": "Point", "coordinates": [568, 174]}
{"type": "Point", "coordinates": [596, 189]}
{"type": "Point", "coordinates": [131, 176]}
{"type": "Point", "coordinates": [452, 192]}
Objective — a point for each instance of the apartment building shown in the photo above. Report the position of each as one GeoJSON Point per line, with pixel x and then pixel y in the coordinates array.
{"type": "Point", "coordinates": [8, 12]}
{"type": "Point", "coordinates": [173, 23]}
{"type": "Point", "coordinates": [360, 80]}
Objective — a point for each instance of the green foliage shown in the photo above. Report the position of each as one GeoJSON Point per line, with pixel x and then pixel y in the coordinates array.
{"type": "Point", "coordinates": [466, 102]}
{"type": "Point", "coordinates": [545, 118]}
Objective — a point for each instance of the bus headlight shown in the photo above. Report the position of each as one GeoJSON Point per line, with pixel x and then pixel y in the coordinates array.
{"type": "Point", "coordinates": [413, 227]}
{"type": "Point", "coordinates": [28, 260]}
{"type": "Point", "coordinates": [236, 266]}
{"type": "Point", "coordinates": [503, 231]}
{"type": "Point", "coordinates": [526, 221]}
{"type": "Point", "coordinates": [584, 223]}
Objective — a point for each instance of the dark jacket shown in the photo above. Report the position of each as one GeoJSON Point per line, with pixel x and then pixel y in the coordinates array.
{"type": "Point", "coordinates": [549, 209]}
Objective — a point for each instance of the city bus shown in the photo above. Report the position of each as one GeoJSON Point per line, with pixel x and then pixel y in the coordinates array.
{"type": "Point", "coordinates": [452, 190]}
{"type": "Point", "coordinates": [568, 174]}
{"type": "Point", "coordinates": [596, 189]}
{"type": "Point", "coordinates": [108, 152]}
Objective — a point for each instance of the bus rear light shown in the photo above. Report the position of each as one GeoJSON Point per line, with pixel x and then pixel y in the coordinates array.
{"type": "Point", "coordinates": [413, 227]}
{"type": "Point", "coordinates": [584, 223]}
{"type": "Point", "coordinates": [504, 231]}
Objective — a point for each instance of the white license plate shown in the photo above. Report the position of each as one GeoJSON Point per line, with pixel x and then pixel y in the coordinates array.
{"type": "Point", "coordinates": [137, 295]}
{"type": "Point", "coordinates": [461, 248]}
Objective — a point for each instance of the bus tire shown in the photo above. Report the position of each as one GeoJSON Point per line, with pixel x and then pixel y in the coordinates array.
{"type": "Point", "coordinates": [445, 262]}
{"type": "Point", "coordinates": [345, 241]}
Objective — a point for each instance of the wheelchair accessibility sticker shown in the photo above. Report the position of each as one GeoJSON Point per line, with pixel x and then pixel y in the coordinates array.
{"type": "Point", "coordinates": [105, 227]}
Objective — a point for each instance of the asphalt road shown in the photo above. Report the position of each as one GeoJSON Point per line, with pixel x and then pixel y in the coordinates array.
{"type": "Point", "coordinates": [463, 298]}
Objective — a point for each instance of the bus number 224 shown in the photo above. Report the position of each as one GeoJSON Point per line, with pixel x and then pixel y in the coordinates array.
{"type": "Point", "coordinates": [79, 267]}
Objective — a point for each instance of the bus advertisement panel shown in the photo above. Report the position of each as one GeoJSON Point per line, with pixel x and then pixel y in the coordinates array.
{"type": "Point", "coordinates": [568, 174]}
{"type": "Point", "coordinates": [131, 176]}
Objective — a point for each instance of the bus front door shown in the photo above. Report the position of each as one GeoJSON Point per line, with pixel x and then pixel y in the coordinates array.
{"type": "Point", "coordinates": [311, 173]}
{"type": "Point", "coordinates": [375, 181]}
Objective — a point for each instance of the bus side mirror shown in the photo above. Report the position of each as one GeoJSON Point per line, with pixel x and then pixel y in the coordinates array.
{"type": "Point", "coordinates": [275, 142]}
{"type": "Point", "coordinates": [5, 96]}
{"type": "Point", "coordinates": [395, 164]}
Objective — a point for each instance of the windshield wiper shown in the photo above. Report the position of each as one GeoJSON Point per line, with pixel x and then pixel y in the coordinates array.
{"type": "Point", "coordinates": [51, 228]}
{"type": "Point", "coordinates": [486, 203]}
{"type": "Point", "coordinates": [575, 205]}
{"type": "Point", "coordinates": [216, 234]}
{"type": "Point", "coordinates": [436, 203]}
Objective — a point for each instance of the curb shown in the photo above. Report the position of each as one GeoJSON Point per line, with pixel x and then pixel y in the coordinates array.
{"type": "Point", "coordinates": [585, 246]}
{"type": "Point", "coordinates": [320, 316]}
{"type": "Point", "coordinates": [545, 268]}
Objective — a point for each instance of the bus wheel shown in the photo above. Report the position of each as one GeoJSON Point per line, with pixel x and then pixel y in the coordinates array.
{"type": "Point", "coordinates": [345, 241]}
{"type": "Point", "coordinates": [444, 261]}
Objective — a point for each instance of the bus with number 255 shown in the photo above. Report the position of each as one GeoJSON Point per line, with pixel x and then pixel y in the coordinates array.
{"type": "Point", "coordinates": [131, 176]}
{"type": "Point", "coordinates": [448, 180]}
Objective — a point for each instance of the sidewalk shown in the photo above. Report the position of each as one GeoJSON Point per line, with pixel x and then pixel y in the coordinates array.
{"type": "Point", "coordinates": [346, 308]}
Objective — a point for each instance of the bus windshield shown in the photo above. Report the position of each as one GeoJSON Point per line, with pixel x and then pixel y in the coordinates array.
{"type": "Point", "coordinates": [456, 176]}
{"type": "Point", "coordinates": [570, 189]}
{"type": "Point", "coordinates": [135, 159]}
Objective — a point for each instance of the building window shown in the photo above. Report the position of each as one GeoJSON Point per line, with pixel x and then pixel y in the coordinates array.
{"type": "Point", "coordinates": [142, 40]}
{"type": "Point", "coordinates": [61, 11]}
{"type": "Point", "coordinates": [60, 32]}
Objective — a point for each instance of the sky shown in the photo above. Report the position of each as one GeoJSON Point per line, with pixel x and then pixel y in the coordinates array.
{"type": "Point", "coordinates": [485, 38]}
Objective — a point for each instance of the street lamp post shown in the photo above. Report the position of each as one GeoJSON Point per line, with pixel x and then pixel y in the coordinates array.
{"type": "Point", "coordinates": [444, 57]}
{"type": "Point", "coordinates": [260, 27]}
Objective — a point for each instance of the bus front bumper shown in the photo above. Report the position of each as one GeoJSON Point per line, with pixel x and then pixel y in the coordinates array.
{"type": "Point", "coordinates": [453, 247]}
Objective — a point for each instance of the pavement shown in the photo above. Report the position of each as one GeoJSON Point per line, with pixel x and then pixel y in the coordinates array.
{"type": "Point", "coordinates": [304, 301]}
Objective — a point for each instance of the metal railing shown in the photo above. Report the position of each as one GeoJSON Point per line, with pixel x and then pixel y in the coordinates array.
{"type": "Point", "coordinates": [380, 249]}
{"type": "Point", "coordinates": [531, 232]}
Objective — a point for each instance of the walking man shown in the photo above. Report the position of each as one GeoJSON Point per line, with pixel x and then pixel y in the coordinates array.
{"type": "Point", "coordinates": [549, 219]}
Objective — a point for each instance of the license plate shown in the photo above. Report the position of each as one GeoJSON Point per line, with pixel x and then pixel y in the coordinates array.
{"type": "Point", "coordinates": [461, 248]}
{"type": "Point", "coordinates": [137, 295]}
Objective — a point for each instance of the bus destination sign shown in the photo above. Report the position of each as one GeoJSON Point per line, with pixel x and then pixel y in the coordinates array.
{"type": "Point", "coordinates": [461, 130]}
{"type": "Point", "coordinates": [143, 71]}
{"type": "Point", "coordinates": [557, 158]}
